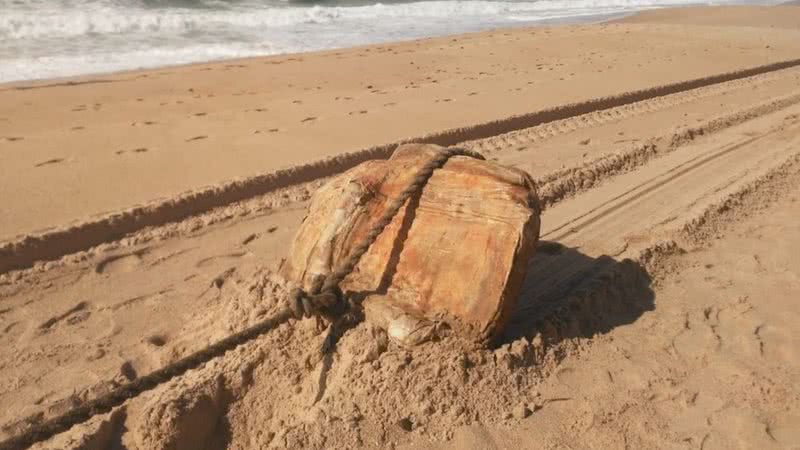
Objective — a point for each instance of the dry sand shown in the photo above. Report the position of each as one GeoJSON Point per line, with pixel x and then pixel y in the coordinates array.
{"type": "Point", "coordinates": [77, 149]}
{"type": "Point", "coordinates": [658, 311]}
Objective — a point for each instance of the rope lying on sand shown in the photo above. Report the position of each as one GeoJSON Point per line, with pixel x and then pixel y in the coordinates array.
{"type": "Point", "coordinates": [324, 300]}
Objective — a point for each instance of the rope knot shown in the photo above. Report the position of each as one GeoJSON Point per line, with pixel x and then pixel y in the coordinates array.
{"type": "Point", "coordinates": [328, 304]}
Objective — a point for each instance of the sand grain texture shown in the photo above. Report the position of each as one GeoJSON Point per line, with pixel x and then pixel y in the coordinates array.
{"type": "Point", "coordinates": [657, 312]}
{"type": "Point", "coordinates": [134, 138]}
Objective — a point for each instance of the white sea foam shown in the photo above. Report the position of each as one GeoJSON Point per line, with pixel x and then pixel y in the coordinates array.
{"type": "Point", "coordinates": [50, 38]}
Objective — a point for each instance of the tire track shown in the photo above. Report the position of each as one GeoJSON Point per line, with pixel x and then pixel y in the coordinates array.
{"type": "Point", "coordinates": [574, 297]}
{"type": "Point", "coordinates": [610, 287]}
{"type": "Point", "coordinates": [553, 187]}
{"type": "Point", "coordinates": [639, 191]}
{"type": "Point", "coordinates": [530, 136]}
{"type": "Point", "coordinates": [561, 184]}
{"type": "Point", "coordinates": [25, 250]}
{"type": "Point", "coordinates": [603, 273]}
{"type": "Point", "coordinates": [650, 214]}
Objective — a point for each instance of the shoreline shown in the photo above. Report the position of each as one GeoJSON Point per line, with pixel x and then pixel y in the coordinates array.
{"type": "Point", "coordinates": [586, 19]}
{"type": "Point", "coordinates": [571, 19]}
{"type": "Point", "coordinates": [99, 77]}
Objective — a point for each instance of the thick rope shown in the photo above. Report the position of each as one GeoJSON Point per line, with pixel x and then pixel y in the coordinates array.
{"type": "Point", "coordinates": [120, 395]}
{"type": "Point", "coordinates": [328, 293]}
{"type": "Point", "coordinates": [325, 300]}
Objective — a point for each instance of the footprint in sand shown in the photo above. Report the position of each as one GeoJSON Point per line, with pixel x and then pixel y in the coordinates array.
{"type": "Point", "coordinates": [13, 138]}
{"type": "Point", "coordinates": [121, 263]}
{"type": "Point", "coordinates": [250, 239]}
{"type": "Point", "coordinates": [200, 114]}
{"type": "Point", "coordinates": [136, 150]}
{"type": "Point", "coordinates": [98, 353]}
{"type": "Point", "coordinates": [309, 119]}
{"type": "Point", "coordinates": [72, 316]}
{"type": "Point", "coordinates": [156, 340]}
{"type": "Point", "coordinates": [146, 122]}
{"type": "Point", "coordinates": [196, 138]}
{"type": "Point", "coordinates": [49, 161]}
{"type": "Point", "coordinates": [255, 236]}
{"type": "Point", "coordinates": [222, 278]}
{"type": "Point", "coordinates": [130, 302]}
{"type": "Point", "coordinates": [206, 261]}
{"type": "Point", "coordinates": [10, 327]}
{"type": "Point", "coordinates": [128, 371]}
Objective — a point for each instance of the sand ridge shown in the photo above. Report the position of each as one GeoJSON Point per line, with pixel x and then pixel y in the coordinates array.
{"type": "Point", "coordinates": [249, 117]}
{"type": "Point", "coordinates": [495, 387]}
{"type": "Point", "coordinates": [22, 252]}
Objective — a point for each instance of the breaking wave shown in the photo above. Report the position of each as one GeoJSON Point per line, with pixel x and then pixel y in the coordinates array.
{"type": "Point", "coordinates": [48, 38]}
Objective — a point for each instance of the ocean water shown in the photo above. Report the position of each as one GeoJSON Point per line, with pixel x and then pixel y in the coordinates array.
{"type": "Point", "coordinates": [56, 38]}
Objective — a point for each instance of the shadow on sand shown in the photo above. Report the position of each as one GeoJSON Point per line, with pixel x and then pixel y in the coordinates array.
{"type": "Point", "coordinates": [567, 294]}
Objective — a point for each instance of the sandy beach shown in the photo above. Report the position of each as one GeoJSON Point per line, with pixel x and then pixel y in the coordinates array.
{"type": "Point", "coordinates": [145, 214]}
{"type": "Point", "coordinates": [112, 142]}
